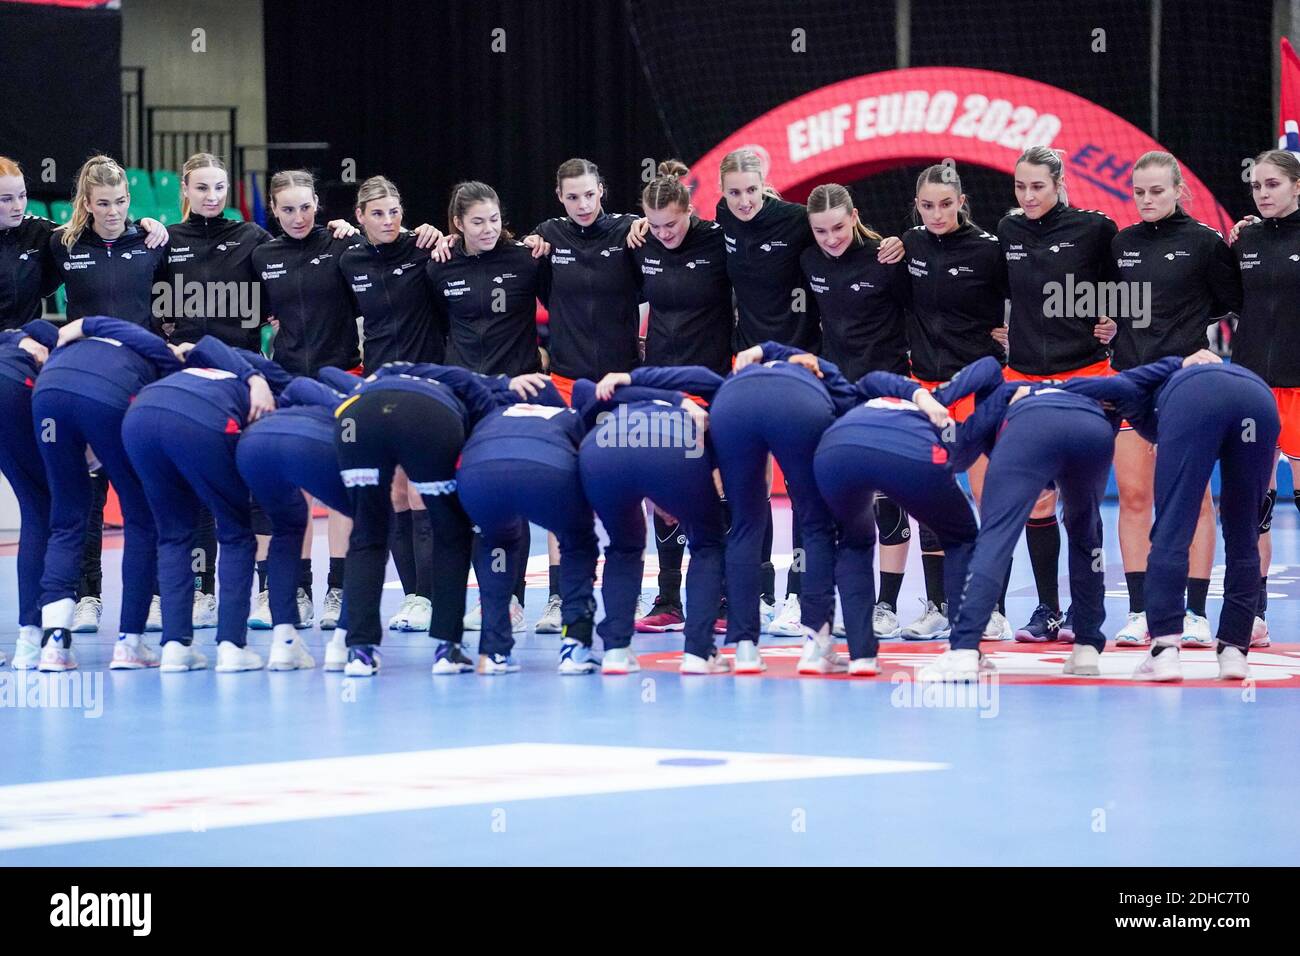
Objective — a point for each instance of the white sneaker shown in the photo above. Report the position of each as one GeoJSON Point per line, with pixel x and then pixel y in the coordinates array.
{"type": "Point", "coordinates": [205, 610]}
{"type": "Point", "coordinates": [231, 658]}
{"type": "Point", "coordinates": [398, 621]}
{"type": "Point", "coordinates": [259, 619]}
{"type": "Point", "coordinates": [1259, 633]}
{"type": "Point", "coordinates": [863, 667]}
{"type": "Point", "coordinates": [517, 623]}
{"type": "Point", "coordinates": [931, 624]}
{"type": "Point", "coordinates": [132, 657]}
{"type": "Point", "coordinates": [715, 663]}
{"type": "Point", "coordinates": [748, 659]}
{"type": "Point", "coordinates": [1232, 663]}
{"type": "Point", "coordinates": [998, 628]}
{"type": "Point", "coordinates": [474, 619]}
{"type": "Point", "coordinates": [419, 615]}
{"type": "Point", "coordinates": [336, 653]}
{"type": "Point", "coordinates": [643, 607]}
{"type": "Point", "coordinates": [306, 612]}
{"type": "Point", "coordinates": [956, 667]}
{"type": "Point", "coordinates": [57, 655]}
{"type": "Point", "coordinates": [154, 621]}
{"type": "Point", "coordinates": [331, 609]}
{"type": "Point", "coordinates": [838, 629]}
{"type": "Point", "coordinates": [490, 665]}
{"type": "Point", "coordinates": [85, 619]}
{"type": "Point", "coordinates": [789, 622]}
{"type": "Point", "coordinates": [26, 655]}
{"type": "Point", "coordinates": [820, 657]}
{"type": "Point", "coordinates": [766, 615]}
{"type": "Point", "coordinates": [551, 621]}
{"type": "Point", "coordinates": [1134, 633]}
{"type": "Point", "coordinates": [620, 660]}
{"type": "Point", "coordinates": [576, 658]}
{"type": "Point", "coordinates": [178, 657]}
{"type": "Point", "coordinates": [1164, 667]}
{"type": "Point", "coordinates": [290, 655]}
{"type": "Point", "coordinates": [1196, 631]}
{"type": "Point", "coordinates": [884, 622]}
{"type": "Point", "coordinates": [1084, 661]}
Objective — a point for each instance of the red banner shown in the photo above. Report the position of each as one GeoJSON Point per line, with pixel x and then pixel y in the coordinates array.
{"type": "Point", "coordinates": [852, 129]}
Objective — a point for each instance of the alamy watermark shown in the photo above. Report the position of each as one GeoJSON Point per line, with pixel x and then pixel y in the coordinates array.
{"type": "Point", "coordinates": [78, 690]}
{"type": "Point", "coordinates": [1121, 301]}
{"type": "Point", "coordinates": [209, 300]}
{"type": "Point", "coordinates": [980, 694]}
{"type": "Point", "coordinates": [665, 427]}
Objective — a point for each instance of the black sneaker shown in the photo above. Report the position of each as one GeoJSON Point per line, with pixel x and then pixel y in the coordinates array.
{"type": "Point", "coordinates": [450, 659]}
{"type": "Point", "coordinates": [363, 661]}
{"type": "Point", "coordinates": [664, 615]}
{"type": "Point", "coordinates": [1066, 632]}
{"type": "Point", "coordinates": [1044, 626]}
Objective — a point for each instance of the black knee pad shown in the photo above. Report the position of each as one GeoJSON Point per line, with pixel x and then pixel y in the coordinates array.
{"type": "Point", "coordinates": [261, 521]}
{"type": "Point", "coordinates": [1266, 511]}
{"type": "Point", "coordinates": [929, 540]}
{"type": "Point", "coordinates": [892, 522]}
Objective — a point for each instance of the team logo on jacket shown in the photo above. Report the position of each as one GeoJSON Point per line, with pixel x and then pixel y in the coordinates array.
{"type": "Point", "coordinates": [1061, 245]}
{"type": "Point", "coordinates": [503, 277]}
{"type": "Point", "coordinates": [221, 247]}
{"type": "Point", "coordinates": [610, 251]}
{"type": "Point", "coordinates": [1294, 258]}
{"type": "Point", "coordinates": [859, 286]}
{"type": "Point", "coordinates": [126, 256]}
{"type": "Point", "coordinates": [319, 259]}
{"type": "Point", "coordinates": [774, 244]}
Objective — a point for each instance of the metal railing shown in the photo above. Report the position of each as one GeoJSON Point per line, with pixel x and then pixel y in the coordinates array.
{"type": "Point", "coordinates": [174, 133]}
{"type": "Point", "coordinates": [133, 131]}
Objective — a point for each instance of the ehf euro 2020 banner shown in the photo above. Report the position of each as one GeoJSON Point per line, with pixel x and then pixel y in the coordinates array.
{"type": "Point", "coordinates": [852, 129]}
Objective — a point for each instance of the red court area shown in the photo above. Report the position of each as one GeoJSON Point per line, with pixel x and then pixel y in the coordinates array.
{"type": "Point", "coordinates": [1272, 667]}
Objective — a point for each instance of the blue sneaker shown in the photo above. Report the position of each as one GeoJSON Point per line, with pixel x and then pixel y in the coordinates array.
{"type": "Point", "coordinates": [363, 661]}
{"type": "Point", "coordinates": [1044, 626]}
{"type": "Point", "coordinates": [492, 664]}
{"type": "Point", "coordinates": [450, 659]}
{"type": "Point", "coordinates": [576, 658]}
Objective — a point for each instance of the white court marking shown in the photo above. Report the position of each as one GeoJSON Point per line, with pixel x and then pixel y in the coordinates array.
{"type": "Point", "coordinates": [102, 808]}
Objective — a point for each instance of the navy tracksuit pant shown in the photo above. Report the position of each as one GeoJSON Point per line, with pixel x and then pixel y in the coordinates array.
{"type": "Point", "coordinates": [280, 457]}
{"type": "Point", "coordinates": [849, 470]}
{"type": "Point", "coordinates": [20, 462]}
{"type": "Point", "coordinates": [184, 465]}
{"type": "Point", "coordinates": [64, 424]}
{"type": "Point", "coordinates": [680, 481]}
{"type": "Point", "coordinates": [501, 496]}
{"type": "Point", "coordinates": [385, 428]}
{"type": "Point", "coordinates": [1207, 418]}
{"type": "Point", "coordinates": [751, 416]}
{"type": "Point", "coordinates": [1039, 445]}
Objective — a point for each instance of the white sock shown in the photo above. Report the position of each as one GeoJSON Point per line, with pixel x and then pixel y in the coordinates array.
{"type": "Point", "coordinates": [1171, 640]}
{"type": "Point", "coordinates": [30, 633]}
{"type": "Point", "coordinates": [340, 636]}
{"type": "Point", "coordinates": [132, 640]}
{"type": "Point", "coordinates": [58, 614]}
{"type": "Point", "coordinates": [284, 632]}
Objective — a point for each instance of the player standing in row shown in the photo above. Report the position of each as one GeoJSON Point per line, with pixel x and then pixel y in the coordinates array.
{"type": "Point", "coordinates": [1192, 277]}
{"type": "Point", "coordinates": [684, 278]}
{"type": "Point", "coordinates": [1051, 248]}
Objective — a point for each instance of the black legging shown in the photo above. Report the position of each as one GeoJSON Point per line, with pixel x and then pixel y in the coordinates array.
{"type": "Point", "coordinates": [380, 430]}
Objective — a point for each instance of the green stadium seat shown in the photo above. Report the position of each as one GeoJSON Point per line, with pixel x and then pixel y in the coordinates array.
{"type": "Point", "coordinates": [230, 212]}
{"type": "Point", "coordinates": [141, 186]}
{"type": "Point", "coordinates": [268, 337]}
{"type": "Point", "coordinates": [60, 211]}
{"type": "Point", "coordinates": [166, 186]}
{"type": "Point", "coordinates": [167, 215]}
{"type": "Point", "coordinates": [61, 301]}
{"type": "Point", "coordinates": [36, 207]}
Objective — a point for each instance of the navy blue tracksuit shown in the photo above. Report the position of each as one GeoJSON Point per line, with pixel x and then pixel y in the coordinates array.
{"type": "Point", "coordinates": [1058, 433]}
{"type": "Point", "coordinates": [1199, 415]}
{"type": "Point", "coordinates": [416, 416]}
{"type": "Point", "coordinates": [520, 464]}
{"type": "Point", "coordinates": [181, 434]}
{"type": "Point", "coordinates": [20, 461]}
{"type": "Point", "coordinates": [80, 399]}
{"type": "Point", "coordinates": [783, 409]}
{"type": "Point", "coordinates": [889, 446]}
{"type": "Point", "coordinates": [647, 449]}
{"type": "Point", "coordinates": [280, 456]}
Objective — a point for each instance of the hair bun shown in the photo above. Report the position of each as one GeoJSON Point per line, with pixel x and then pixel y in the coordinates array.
{"type": "Point", "coordinates": [673, 167]}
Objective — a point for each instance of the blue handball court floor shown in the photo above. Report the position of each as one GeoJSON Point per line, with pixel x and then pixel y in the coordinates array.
{"type": "Point", "coordinates": [655, 768]}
